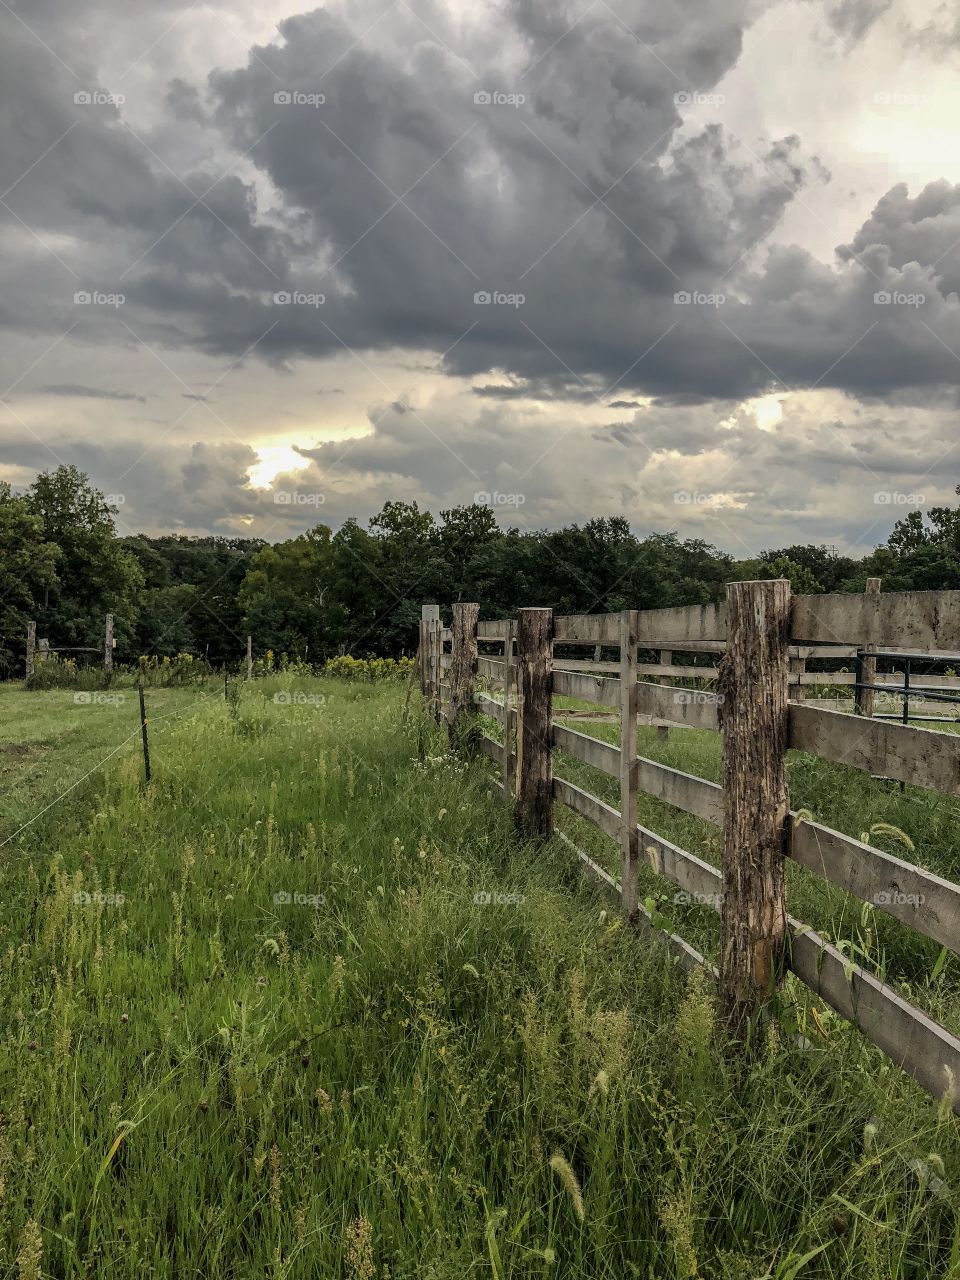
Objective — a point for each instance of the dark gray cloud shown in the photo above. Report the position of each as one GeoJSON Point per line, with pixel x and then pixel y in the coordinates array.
{"type": "Point", "coordinates": [581, 239]}
{"type": "Point", "coordinates": [89, 393]}
{"type": "Point", "coordinates": [398, 198]}
{"type": "Point", "coordinates": [852, 19]}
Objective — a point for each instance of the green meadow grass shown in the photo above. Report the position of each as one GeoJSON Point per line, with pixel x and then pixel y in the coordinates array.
{"type": "Point", "coordinates": [306, 1007]}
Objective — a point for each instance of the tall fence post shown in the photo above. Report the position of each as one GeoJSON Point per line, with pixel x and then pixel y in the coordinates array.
{"type": "Point", "coordinates": [754, 688]}
{"type": "Point", "coordinates": [462, 716]}
{"type": "Point", "coordinates": [249, 657]}
{"type": "Point", "coordinates": [534, 808]}
{"type": "Point", "coordinates": [509, 709]}
{"type": "Point", "coordinates": [108, 648]}
{"type": "Point", "coordinates": [31, 648]}
{"type": "Point", "coordinates": [868, 664]}
{"type": "Point", "coordinates": [430, 615]}
{"type": "Point", "coordinates": [422, 657]}
{"type": "Point", "coordinates": [629, 840]}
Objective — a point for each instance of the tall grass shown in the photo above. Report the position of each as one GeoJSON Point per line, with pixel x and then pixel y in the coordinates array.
{"type": "Point", "coordinates": [305, 1007]}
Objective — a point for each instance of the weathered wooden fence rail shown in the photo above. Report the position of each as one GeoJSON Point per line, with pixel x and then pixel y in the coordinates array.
{"type": "Point", "coordinates": [764, 633]}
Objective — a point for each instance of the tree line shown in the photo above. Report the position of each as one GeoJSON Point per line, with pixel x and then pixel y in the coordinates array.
{"type": "Point", "coordinates": [359, 590]}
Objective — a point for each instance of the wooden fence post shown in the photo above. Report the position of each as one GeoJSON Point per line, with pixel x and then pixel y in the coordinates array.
{"type": "Point", "coordinates": [798, 667]}
{"type": "Point", "coordinates": [462, 715]}
{"type": "Point", "coordinates": [108, 648]}
{"type": "Point", "coordinates": [868, 665]}
{"type": "Point", "coordinates": [754, 688]}
{"type": "Point", "coordinates": [31, 648]}
{"type": "Point", "coordinates": [509, 709]}
{"type": "Point", "coordinates": [629, 839]}
{"type": "Point", "coordinates": [430, 616]}
{"type": "Point", "coordinates": [143, 735]}
{"type": "Point", "coordinates": [666, 660]}
{"type": "Point", "coordinates": [534, 808]}
{"type": "Point", "coordinates": [249, 657]}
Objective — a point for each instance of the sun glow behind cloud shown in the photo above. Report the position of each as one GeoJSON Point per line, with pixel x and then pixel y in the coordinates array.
{"type": "Point", "coordinates": [274, 460]}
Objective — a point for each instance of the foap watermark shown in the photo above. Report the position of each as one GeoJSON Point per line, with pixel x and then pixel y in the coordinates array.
{"type": "Point", "coordinates": [283, 898]}
{"type": "Point", "coordinates": [497, 98]}
{"type": "Point", "coordinates": [286, 498]}
{"type": "Point", "coordinates": [495, 298]}
{"type": "Point", "coordinates": [299, 98]}
{"type": "Point", "coordinates": [696, 298]}
{"type": "Point", "coordinates": [97, 899]}
{"type": "Point", "coordinates": [694, 98]}
{"type": "Point", "coordinates": [115, 499]}
{"type": "Point", "coordinates": [897, 98]}
{"type": "Point", "coordinates": [83, 699]}
{"type": "Point", "coordinates": [696, 698]}
{"type": "Point", "coordinates": [893, 498]}
{"type": "Point", "coordinates": [288, 698]}
{"type": "Point", "coordinates": [94, 298]}
{"type": "Point", "coordinates": [294, 298]}
{"type": "Point", "coordinates": [895, 898]}
{"type": "Point", "coordinates": [693, 498]}
{"type": "Point", "coordinates": [496, 499]}
{"type": "Point", "coordinates": [686, 899]}
{"type": "Point", "coordinates": [98, 98]}
{"type": "Point", "coordinates": [494, 898]}
{"type": "Point", "coordinates": [897, 298]}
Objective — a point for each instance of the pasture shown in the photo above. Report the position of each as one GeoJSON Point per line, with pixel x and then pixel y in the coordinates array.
{"type": "Point", "coordinates": [305, 1006]}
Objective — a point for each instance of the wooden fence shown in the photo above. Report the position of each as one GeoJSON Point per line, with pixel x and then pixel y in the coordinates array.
{"type": "Point", "coordinates": [764, 632]}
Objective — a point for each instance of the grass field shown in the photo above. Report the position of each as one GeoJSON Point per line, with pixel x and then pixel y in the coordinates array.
{"type": "Point", "coordinates": [305, 1007]}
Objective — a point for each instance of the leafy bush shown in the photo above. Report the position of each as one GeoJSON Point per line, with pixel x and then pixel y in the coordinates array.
{"type": "Point", "coordinates": [347, 667]}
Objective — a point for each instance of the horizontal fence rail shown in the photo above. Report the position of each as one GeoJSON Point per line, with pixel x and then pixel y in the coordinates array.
{"type": "Point", "coordinates": [527, 671]}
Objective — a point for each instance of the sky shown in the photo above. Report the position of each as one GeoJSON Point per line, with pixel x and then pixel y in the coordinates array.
{"type": "Point", "coordinates": [693, 262]}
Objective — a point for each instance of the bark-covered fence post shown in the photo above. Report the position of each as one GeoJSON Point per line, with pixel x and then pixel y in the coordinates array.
{"type": "Point", "coordinates": [462, 715]}
{"type": "Point", "coordinates": [754, 688]}
{"type": "Point", "coordinates": [629, 839]}
{"type": "Point", "coordinates": [422, 658]}
{"type": "Point", "coordinates": [534, 808]}
{"type": "Point", "coordinates": [249, 657]}
{"type": "Point", "coordinates": [31, 649]}
{"type": "Point", "coordinates": [432, 648]}
{"type": "Point", "coordinates": [509, 709]}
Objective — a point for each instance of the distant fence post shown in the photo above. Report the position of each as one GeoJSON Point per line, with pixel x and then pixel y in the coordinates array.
{"type": "Point", "coordinates": [422, 657]}
{"type": "Point", "coordinates": [509, 709]}
{"type": "Point", "coordinates": [798, 667]}
{"type": "Point", "coordinates": [534, 812]}
{"type": "Point", "coordinates": [629, 840]}
{"type": "Point", "coordinates": [754, 687]}
{"type": "Point", "coordinates": [868, 665]}
{"type": "Point", "coordinates": [462, 716]}
{"type": "Point", "coordinates": [31, 648]}
{"type": "Point", "coordinates": [430, 621]}
{"type": "Point", "coordinates": [249, 657]}
{"type": "Point", "coordinates": [108, 647]}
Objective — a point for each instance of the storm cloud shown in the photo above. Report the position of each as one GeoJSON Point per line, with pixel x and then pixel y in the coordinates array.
{"type": "Point", "coordinates": [540, 203]}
